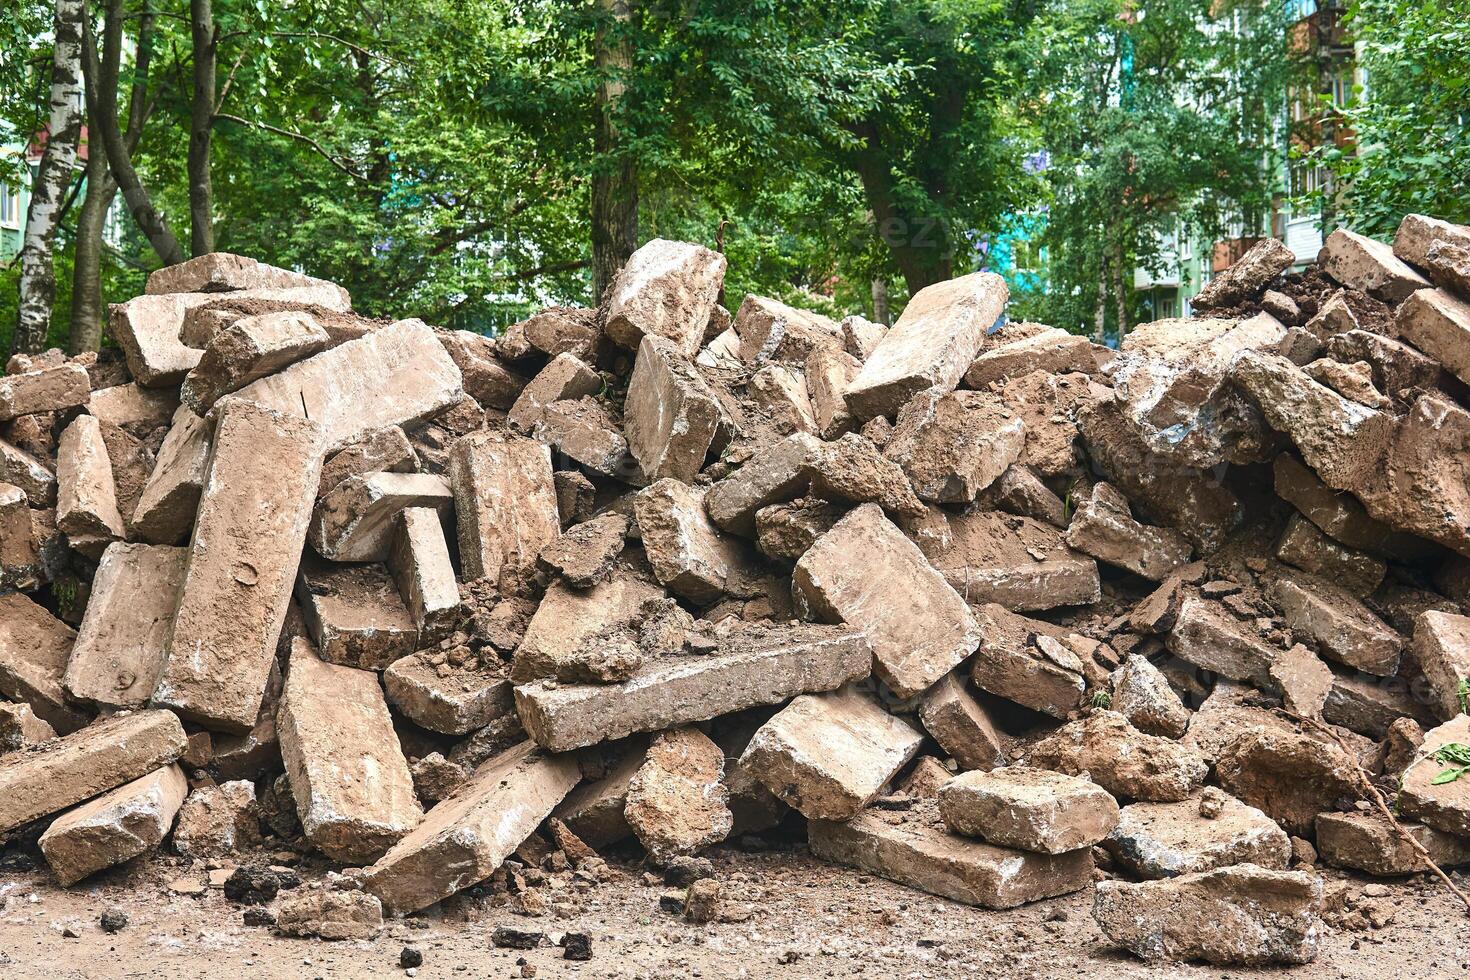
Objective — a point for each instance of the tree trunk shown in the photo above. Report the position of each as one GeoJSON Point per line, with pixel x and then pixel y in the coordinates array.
{"type": "Point", "coordinates": [880, 300]}
{"type": "Point", "coordinates": [201, 128]}
{"type": "Point", "coordinates": [119, 158]}
{"type": "Point", "coordinates": [53, 178]}
{"type": "Point", "coordinates": [88, 306]}
{"type": "Point", "coordinates": [1120, 290]}
{"type": "Point", "coordinates": [918, 242]}
{"type": "Point", "coordinates": [615, 179]}
{"type": "Point", "coordinates": [1100, 308]}
{"type": "Point", "coordinates": [86, 288]}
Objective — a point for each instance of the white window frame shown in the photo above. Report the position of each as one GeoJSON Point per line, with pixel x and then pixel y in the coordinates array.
{"type": "Point", "coordinates": [9, 200]}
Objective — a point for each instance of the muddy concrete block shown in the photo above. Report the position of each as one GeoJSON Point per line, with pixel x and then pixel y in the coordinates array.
{"type": "Point", "coordinates": [1238, 916]}
{"type": "Point", "coordinates": [1251, 273]}
{"type": "Point", "coordinates": [1302, 544]}
{"type": "Point", "coordinates": [954, 445]}
{"type": "Point", "coordinates": [1182, 497]}
{"type": "Point", "coordinates": [916, 850]}
{"type": "Point", "coordinates": [1017, 562]}
{"type": "Point", "coordinates": [585, 553]}
{"type": "Point", "coordinates": [1051, 350]}
{"type": "Point", "coordinates": [452, 700]}
{"type": "Point", "coordinates": [594, 811]}
{"type": "Point", "coordinates": [677, 801]}
{"type": "Point", "coordinates": [21, 469]}
{"type": "Point", "coordinates": [1165, 840]}
{"type": "Point", "coordinates": [85, 763]}
{"type": "Point", "coordinates": [218, 272]}
{"type": "Point", "coordinates": [86, 497]}
{"type": "Point", "coordinates": [355, 614]}
{"type": "Point", "coordinates": [34, 649]}
{"type": "Point", "coordinates": [561, 330]}
{"type": "Point", "coordinates": [585, 430]}
{"type": "Point", "coordinates": [1142, 694]}
{"type": "Point", "coordinates": [1368, 705]}
{"type": "Point", "coordinates": [772, 331]}
{"type": "Point", "coordinates": [398, 375]}
{"type": "Point", "coordinates": [217, 820]}
{"type": "Point", "coordinates": [167, 507]}
{"type": "Point", "coordinates": [355, 521]}
{"type": "Point", "coordinates": [666, 289]}
{"type": "Point", "coordinates": [119, 651]}
{"type": "Point", "coordinates": [1367, 842]}
{"type": "Point", "coordinates": [670, 416]}
{"type": "Point", "coordinates": [1292, 777]}
{"type": "Point", "coordinates": [250, 348]}
{"type": "Point", "coordinates": [788, 530]}
{"type": "Point", "coordinates": [1446, 806]}
{"type": "Point", "coordinates": [1362, 263]}
{"type": "Point", "coordinates": [354, 794]}
{"type": "Point", "coordinates": [941, 331]}
{"type": "Point", "coordinates": [1418, 233]}
{"type": "Point", "coordinates": [565, 377]}
{"type": "Point", "coordinates": [851, 469]}
{"type": "Point", "coordinates": [504, 502]}
{"type": "Point", "coordinates": [1120, 758]}
{"type": "Point", "coordinates": [1020, 491]}
{"type": "Point", "coordinates": [20, 552]}
{"type": "Point", "coordinates": [865, 573]}
{"type": "Point", "coordinates": [47, 390]}
{"type": "Point", "coordinates": [828, 755]}
{"type": "Point", "coordinates": [486, 377]}
{"type": "Point", "coordinates": [1438, 323]}
{"type": "Point", "coordinates": [253, 514]}
{"type": "Point", "coordinates": [1303, 681]}
{"type": "Point", "coordinates": [133, 407]}
{"type": "Point", "coordinates": [1029, 809]}
{"type": "Point", "coordinates": [1207, 636]}
{"type": "Point", "coordinates": [962, 726]}
{"type": "Point", "coordinates": [1103, 527]}
{"type": "Point", "coordinates": [465, 838]}
{"type": "Point", "coordinates": [258, 751]}
{"type": "Point", "coordinates": [567, 618]}
{"type": "Point", "coordinates": [1441, 648]}
{"type": "Point", "coordinates": [1023, 660]}
{"type": "Point", "coordinates": [779, 393]}
{"type": "Point", "coordinates": [419, 562]}
{"type": "Point", "coordinates": [861, 337]}
{"type": "Point", "coordinates": [754, 666]}
{"type": "Point", "coordinates": [1332, 619]}
{"type": "Point", "coordinates": [772, 476]}
{"type": "Point", "coordinates": [20, 727]}
{"type": "Point", "coordinates": [384, 450]}
{"type": "Point", "coordinates": [147, 329]}
{"type": "Point", "coordinates": [115, 827]}
{"type": "Point", "coordinates": [829, 371]}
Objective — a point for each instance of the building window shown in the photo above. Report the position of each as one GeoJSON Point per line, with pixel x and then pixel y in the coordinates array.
{"type": "Point", "coordinates": [9, 206]}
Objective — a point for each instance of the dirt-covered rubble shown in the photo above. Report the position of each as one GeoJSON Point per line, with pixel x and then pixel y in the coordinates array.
{"type": "Point", "coordinates": [967, 603]}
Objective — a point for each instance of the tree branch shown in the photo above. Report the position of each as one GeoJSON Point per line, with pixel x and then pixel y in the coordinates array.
{"type": "Point", "coordinates": [300, 138]}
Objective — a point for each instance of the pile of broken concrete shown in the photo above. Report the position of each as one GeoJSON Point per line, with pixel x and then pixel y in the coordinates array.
{"type": "Point", "coordinates": [969, 603]}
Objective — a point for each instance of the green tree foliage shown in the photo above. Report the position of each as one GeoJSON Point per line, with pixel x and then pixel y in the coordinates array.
{"type": "Point", "coordinates": [1413, 128]}
{"type": "Point", "coordinates": [1158, 117]}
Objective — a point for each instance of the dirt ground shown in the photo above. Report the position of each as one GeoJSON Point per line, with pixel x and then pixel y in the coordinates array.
{"type": "Point", "coordinates": [809, 920]}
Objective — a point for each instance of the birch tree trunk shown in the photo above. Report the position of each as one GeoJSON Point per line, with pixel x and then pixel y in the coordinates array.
{"type": "Point", "coordinates": [48, 191]}
{"type": "Point", "coordinates": [201, 128]}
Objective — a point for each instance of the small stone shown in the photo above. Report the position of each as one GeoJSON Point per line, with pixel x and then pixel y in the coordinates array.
{"type": "Point", "coordinates": [113, 920]}
{"type": "Point", "coordinates": [576, 946]}
{"type": "Point", "coordinates": [252, 886]}
{"type": "Point", "coordinates": [510, 937]}
{"type": "Point", "coordinates": [702, 900]}
{"type": "Point", "coordinates": [410, 957]}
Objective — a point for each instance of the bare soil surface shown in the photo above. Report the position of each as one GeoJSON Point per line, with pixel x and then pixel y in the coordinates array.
{"type": "Point", "coordinates": [808, 920]}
